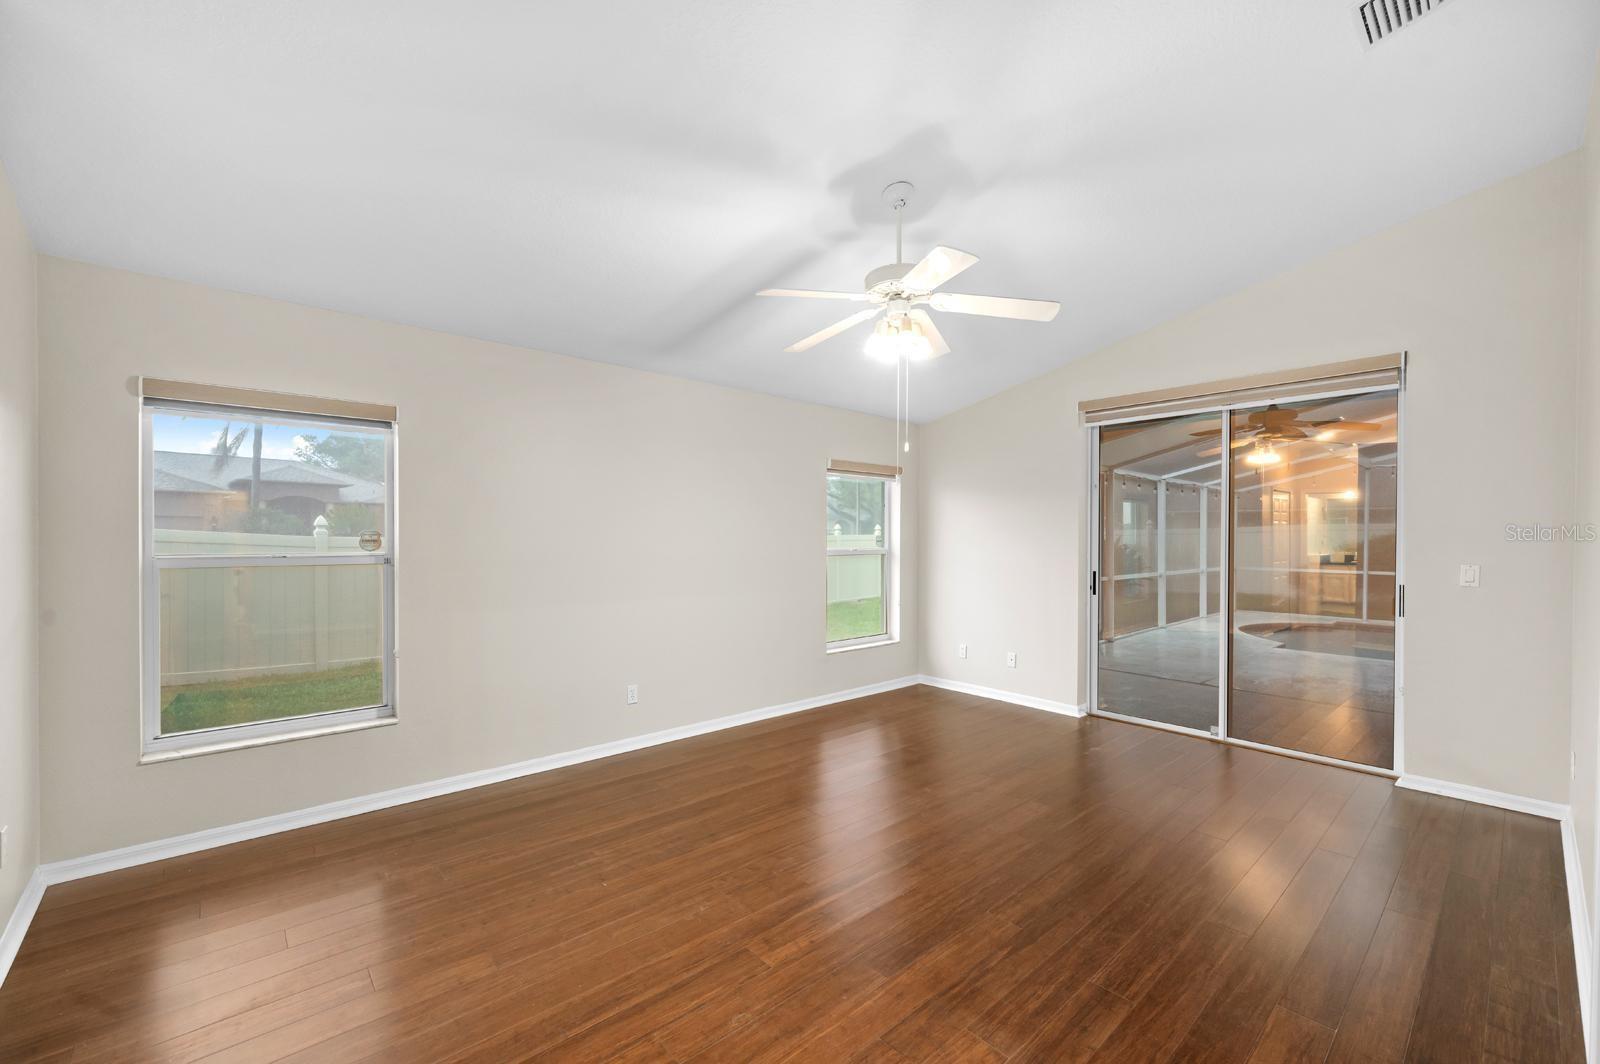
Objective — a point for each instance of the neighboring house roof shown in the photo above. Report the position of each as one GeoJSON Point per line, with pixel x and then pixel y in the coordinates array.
{"type": "Point", "coordinates": [180, 471]}
{"type": "Point", "coordinates": [362, 491]}
{"type": "Point", "coordinates": [166, 480]}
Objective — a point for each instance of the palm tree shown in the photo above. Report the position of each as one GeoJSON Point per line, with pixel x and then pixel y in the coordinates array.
{"type": "Point", "coordinates": [228, 447]}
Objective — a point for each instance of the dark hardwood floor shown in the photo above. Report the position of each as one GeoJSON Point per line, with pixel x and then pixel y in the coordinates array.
{"type": "Point", "coordinates": [917, 876]}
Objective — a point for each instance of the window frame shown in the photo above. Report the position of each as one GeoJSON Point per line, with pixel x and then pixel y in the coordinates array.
{"type": "Point", "coordinates": [155, 746]}
{"type": "Point", "coordinates": [889, 555]}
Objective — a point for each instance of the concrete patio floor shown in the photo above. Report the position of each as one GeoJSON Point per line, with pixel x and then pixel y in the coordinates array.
{"type": "Point", "coordinates": [1334, 704]}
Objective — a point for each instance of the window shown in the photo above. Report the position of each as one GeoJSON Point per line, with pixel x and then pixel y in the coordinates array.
{"type": "Point", "coordinates": [1333, 526]}
{"type": "Point", "coordinates": [269, 571]}
{"type": "Point", "coordinates": [860, 602]}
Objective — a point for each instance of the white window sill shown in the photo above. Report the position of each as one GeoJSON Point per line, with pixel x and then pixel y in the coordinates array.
{"type": "Point", "coordinates": [156, 757]}
{"type": "Point", "coordinates": [862, 646]}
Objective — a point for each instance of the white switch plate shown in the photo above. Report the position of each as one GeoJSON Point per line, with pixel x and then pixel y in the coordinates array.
{"type": "Point", "coordinates": [1011, 659]}
{"type": "Point", "coordinates": [633, 694]}
{"type": "Point", "coordinates": [961, 651]}
{"type": "Point", "coordinates": [1469, 576]}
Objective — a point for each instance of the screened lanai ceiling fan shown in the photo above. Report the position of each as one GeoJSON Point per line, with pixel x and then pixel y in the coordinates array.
{"type": "Point", "coordinates": [1275, 425]}
{"type": "Point", "coordinates": [900, 291]}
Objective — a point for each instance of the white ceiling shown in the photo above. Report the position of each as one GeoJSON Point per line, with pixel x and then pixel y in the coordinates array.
{"type": "Point", "coordinates": [613, 180]}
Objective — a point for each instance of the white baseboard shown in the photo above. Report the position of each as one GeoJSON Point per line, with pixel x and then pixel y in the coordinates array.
{"type": "Point", "coordinates": [1582, 944]}
{"type": "Point", "coordinates": [1066, 709]}
{"type": "Point", "coordinates": [1483, 796]}
{"type": "Point", "coordinates": [177, 846]}
{"type": "Point", "coordinates": [21, 917]}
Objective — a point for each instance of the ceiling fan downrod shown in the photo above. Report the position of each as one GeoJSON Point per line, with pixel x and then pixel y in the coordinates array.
{"type": "Point", "coordinates": [897, 194]}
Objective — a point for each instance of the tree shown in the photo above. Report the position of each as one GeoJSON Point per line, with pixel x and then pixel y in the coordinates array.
{"type": "Point", "coordinates": [856, 506]}
{"type": "Point", "coordinates": [348, 519]}
{"type": "Point", "coordinates": [228, 447]}
{"type": "Point", "coordinates": [358, 454]}
{"type": "Point", "coordinates": [269, 521]}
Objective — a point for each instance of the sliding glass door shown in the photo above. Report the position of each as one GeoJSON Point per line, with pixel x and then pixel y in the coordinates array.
{"type": "Point", "coordinates": [1160, 567]}
{"type": "Point", "coordinates": [1313, 606]}
{"type": "Point", "coordinates": [1245, 574]}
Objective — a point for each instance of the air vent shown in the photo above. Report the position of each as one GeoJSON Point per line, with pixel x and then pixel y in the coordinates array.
{"type": "Point", "coordinates": [1380, 19]}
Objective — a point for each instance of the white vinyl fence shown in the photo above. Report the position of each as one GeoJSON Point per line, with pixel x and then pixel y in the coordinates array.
{"type": "Point", "coordinates": [852, 577]}
{"type": "Point", "coordinates": [230, 623]}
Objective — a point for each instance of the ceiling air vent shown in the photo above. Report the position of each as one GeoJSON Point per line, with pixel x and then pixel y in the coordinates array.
{"type": "Point", "coordinates": [1381, 18]}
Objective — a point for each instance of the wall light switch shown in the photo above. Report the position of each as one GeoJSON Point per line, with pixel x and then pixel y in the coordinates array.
{"type": "Point", "coordinates": [633, 694]}
{"type": "Point", "coordinates": [1469, 576]}
{"type": "Point", "coordinates": [1011, 659]}
{"type": "Point", "coordinates": [961, 651]}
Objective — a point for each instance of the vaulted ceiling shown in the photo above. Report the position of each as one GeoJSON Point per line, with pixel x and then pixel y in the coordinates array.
{"type": "Point", "coordinates": [614, 180]}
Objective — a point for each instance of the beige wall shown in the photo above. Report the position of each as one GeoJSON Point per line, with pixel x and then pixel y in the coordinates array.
{"type": "Point", "coordinates": [517, 636]}
{"type": "Point", "coordinates": [1483, 294]}
{"type": "Point", "coordinates": [1586, 557]}
{"type": "Point", "coordinates": [19, 703]}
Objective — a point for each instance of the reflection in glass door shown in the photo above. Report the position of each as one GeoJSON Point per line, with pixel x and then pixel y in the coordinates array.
{"type": "Point", "coordinates": [1312, 658]}
{"type": "Point", "coordinates": [1160, 546]}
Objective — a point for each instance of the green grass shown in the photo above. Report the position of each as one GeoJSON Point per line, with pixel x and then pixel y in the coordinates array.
{"type": "Point", "coordinates": [189, 707]}
{"type": "Point", "coordinates": [854, 619]}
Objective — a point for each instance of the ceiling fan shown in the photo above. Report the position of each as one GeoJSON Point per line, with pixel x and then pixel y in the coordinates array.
{"type": "Point", "coordinates": [1263, 428]}
{"type": "Point", "coordinates": [900, 291]}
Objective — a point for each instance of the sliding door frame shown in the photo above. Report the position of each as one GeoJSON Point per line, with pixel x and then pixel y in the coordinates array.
{"type": "Point", "coordinates": [1225, 602]}
{"type": "Point", "coordinates": [1219, 730]}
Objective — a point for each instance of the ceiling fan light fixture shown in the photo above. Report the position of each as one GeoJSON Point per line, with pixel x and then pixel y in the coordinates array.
{"type": "Point", "coordinates": [897, 339]}
{"type": "Point", "coordinates": [901, 291]}
{"type": "Point", "coordinates": [1263, 456]}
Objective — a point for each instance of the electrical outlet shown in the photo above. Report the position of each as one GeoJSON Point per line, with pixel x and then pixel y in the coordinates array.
{"type": "Point", "coordinates": [961, 651]}
{"type": "Point", "coordinates": [1011, 659]}
{"type": "Point", "coordinates": [633, 694]}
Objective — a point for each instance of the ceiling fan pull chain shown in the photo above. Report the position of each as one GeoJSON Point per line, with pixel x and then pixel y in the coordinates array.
{"type": "Point", "coordinates": [902, 386]}
{"type": "Point", "coordinates": [908, 409]}
{"type": "Point", "coordinates": [896, 410]}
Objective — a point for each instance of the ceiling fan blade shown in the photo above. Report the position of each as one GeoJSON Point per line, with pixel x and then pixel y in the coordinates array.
{"type": "Point", "coordinates": [996, 306]}
{"type": "Point", "coordinates": [1353, 426]}
{"type": "Point", "coordinates": [930, 330]}
{"type": "Point", "coordinates": [937, 267]}
{"type": "Point", "coordinates": [831, 331]}
{"type": "Point", "coordinates": [807, 293]}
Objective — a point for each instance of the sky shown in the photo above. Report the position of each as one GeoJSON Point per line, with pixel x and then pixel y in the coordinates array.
{"type": "Point", "coordinates": [198, 435]}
